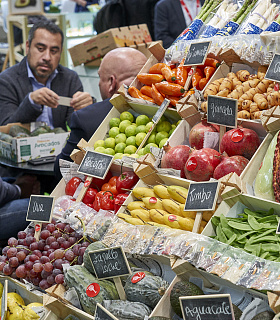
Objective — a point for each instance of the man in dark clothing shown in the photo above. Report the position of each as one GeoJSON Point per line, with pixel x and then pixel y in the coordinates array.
{"type": "Point", "coordinates": [119, 66]}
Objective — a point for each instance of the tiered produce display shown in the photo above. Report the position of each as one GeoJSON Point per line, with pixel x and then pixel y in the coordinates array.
{"type": "Point", "coordinates": [140, 204]}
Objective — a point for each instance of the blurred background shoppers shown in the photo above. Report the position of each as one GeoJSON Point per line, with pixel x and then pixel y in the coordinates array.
{"type": "Point", "coordinates": [171, 17]}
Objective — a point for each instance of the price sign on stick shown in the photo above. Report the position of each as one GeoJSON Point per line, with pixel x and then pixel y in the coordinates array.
{"type": "Point", "coordinates": [207, 307]}
{"type": "Point", "coordinates": [4, 307]}
{"type": "Point", "coordinates": [111, 263]}
{"type": "Point", "coordinates": [197, 53]}
{"type": "Point", "coordinates": [155, 120]}
{"type": "Point", "coordinates": [102, 314]}
{"type": "Point", "coordinates": [202, 196]}
{"type": "Point", "coordinates": [273, 71]}
{"type": "Point", "coordinates": [160, 110]}
{"type": "Point", "coordinates": [95, 164]}
{"type": "Point", "coordinates": [222, 111]}
{"type": "Point", "coordinates": [39, 210]}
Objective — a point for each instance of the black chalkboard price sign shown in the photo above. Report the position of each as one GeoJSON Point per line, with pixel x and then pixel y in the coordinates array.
{"type": "Point", "coordinates": [102, 314]}
{"type": "Point", "coordinates": [40, 208]}
{"type": "Point", "coordinates": [278, 228]}
{"type": "Point", "coordinates": [161, 110]}
{"type": "Point", "coordinates": [109, 263]}
{"type": "Point", "coordinates": [202, 196]}
{"type": "Point", "coordinates": [197, 53]}
{"type": "Point", "coordinates": [273, 71]}
{"type": "Point", "coordinates": [95, 164]}
{"type": "Point", "coordinates": [222, 111]}
{"type": "Point", "coordinates": [207, 307]}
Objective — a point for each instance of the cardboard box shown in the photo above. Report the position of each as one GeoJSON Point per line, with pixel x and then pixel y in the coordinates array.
{"type": "Point", "coordinates": [24, 149]}
{"type": "Point", "coordinates": [210, 284]}
{"type": "Point", "coordinates": [99, 45]}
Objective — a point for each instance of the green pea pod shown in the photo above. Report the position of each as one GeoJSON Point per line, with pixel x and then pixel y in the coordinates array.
{"type": "Point", "coordinates": [223, 220]}
{"type": "Point", "coordinates": [232, 239]}
{"type": "Point", "coordinates": [259, 249]}
{"type": "Point", "coordinates": [228, 232]}
{"type": "Point", "coordinates": [252, 213]}
{"type": "Point", "coordinates": [251, 247]}
{"type": "Point", "coordinates": [271, 247]}
{"type": "Point", "coordinates": [220, 234]}
{"type": "Point", "coordinates": [244, 235]}
{"type": "Point", "coordinates": [254, 223]}
{"type": "Point", "coordinates": [263, 234]}
{"type": "Point", "coordinates": [215, 221]}
{"type": "Point", "coordinates": [264, 255]}
{"type": "Point", "coordinates": [272, 239]}
{"type": "Point", "coordinates": [240, 226]}
{"type": "Point", "coordinates": [268, 219]}
{"type": "Point", "coordinates": [266, 213]}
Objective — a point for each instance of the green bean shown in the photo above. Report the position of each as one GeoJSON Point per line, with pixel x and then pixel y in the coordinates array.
{"type": "Point", "coordinates": [223, 221]}
{"type": "Point", "coordinates": [215, 221]}
{"type": "Point", "coordinates": [240, 226]}
{"type": "Point", "coordinates": [254, 223]}
{"type": "Point", "coordinates": [263, 234]}
{"type": "Point", "coordinates": [268, 219]}
{"type": "Point", "coordinates": [264, 255]}
{"type": "Point", "coordinates": [251, 247]}
{"type": "Point", "coordinates": [252, 213]}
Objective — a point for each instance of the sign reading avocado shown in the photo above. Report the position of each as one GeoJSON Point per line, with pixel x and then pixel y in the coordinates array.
{"type": "Point", "coordinates": [207, 307]}
{"type": "Point", "coordinates": [95, 164]}
{"type": "Point", "coordinates": [40, 208]}
{"type": "Point", "coordinates": [109, 263]}
{"type": "Point", "coordinates": [102, 314]}
{"type": "Point", "coordinates": [197, 53]}
{"type": "Point", "coordinates": [202, 196]}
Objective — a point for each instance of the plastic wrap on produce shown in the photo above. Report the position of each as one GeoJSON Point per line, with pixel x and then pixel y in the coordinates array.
{"type": "Point", "coordinates": [255, 269]}
{"type": "Point", "coordinates": [99, 224]}
{"type": "Point", "coordinates": [260, 17]}
{"type": "Point", "coordinates": [227, 10]}
{"type": "Point", "coordinates": [61, 205]}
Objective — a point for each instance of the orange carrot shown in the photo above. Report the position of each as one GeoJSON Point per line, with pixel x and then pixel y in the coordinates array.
{"type": "Point", "coordinates": [202, 83]}
{"type": "Point", "coordinates": [168, 74]}
{"type": "Point", "coordinates": [209, 71]}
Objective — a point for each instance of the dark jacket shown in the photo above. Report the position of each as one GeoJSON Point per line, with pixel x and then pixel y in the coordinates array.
{"type": "Point", "coordinates": [15, 87]}
{"type": "Point", "coordinates": [8, 192]}
{"type": "Point", "coordinates": [84, 123]}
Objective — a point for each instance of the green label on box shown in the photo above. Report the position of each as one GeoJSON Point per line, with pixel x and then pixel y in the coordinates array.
{"type": "Point", "coordinates": [25, 150]}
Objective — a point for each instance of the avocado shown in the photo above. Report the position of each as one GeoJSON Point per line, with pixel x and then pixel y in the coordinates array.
{"type": "Point", "coordinates": [181, 289]}
{"type": "Point", "coordinates": [22, 3]}
{"type": "Point", "coordinates": [237, 312]}
{"type": "Point", "coordinates": [58, 130]}
{"type": "Point", "coordinates": [265, 315]}
{"type": "Point", "coordinates": [15, 130]}
{"type": "Point", "coordinates": [39, 130]}
{"type": "Point", "coordinates": [6, 137]}
{"type": "Point", "coordinates": [22, 135]}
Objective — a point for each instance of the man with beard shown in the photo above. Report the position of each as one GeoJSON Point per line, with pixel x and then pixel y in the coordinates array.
{"type": "Point", "coordinates": [30, 90]}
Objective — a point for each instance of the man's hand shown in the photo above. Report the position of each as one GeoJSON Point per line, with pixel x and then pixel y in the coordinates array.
{"type": "Point", "coordinates": [45, 96]}
{"type": "Point", "coordinates": [28, 185]}
{"type": "Point", "coordinates": [81, 100]}
{"type": "Point", "coordinates": [82, 3]}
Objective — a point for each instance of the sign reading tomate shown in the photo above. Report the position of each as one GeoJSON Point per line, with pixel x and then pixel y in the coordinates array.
{"type": "Point", "coordinates": [109, 263]}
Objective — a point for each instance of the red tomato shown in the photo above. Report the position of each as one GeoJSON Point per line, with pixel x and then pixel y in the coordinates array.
{"type": "Point", "coordinates": [97, 183]}
{"type": "Point", "coordinates": [72, 186]}
{"type": "Point", "coordinates": [89, 196]}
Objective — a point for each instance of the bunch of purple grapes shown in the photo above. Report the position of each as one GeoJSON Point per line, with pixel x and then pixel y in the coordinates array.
{"type": "Point", "coordinates": [41, 263]}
